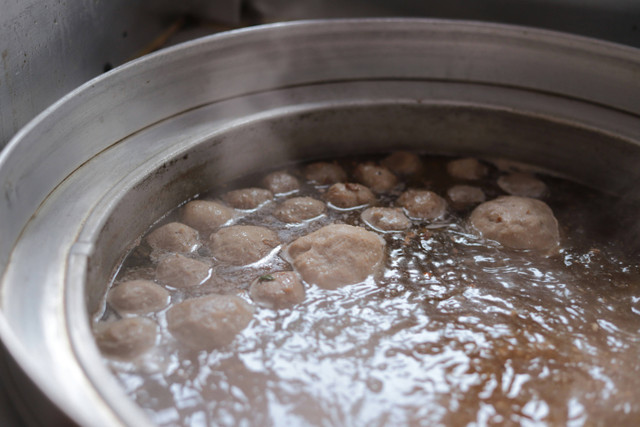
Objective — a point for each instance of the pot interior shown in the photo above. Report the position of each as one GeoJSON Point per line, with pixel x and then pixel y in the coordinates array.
{"type": "Point", "coordinates": [568, 150]}
{"type": "Point", "coordinates": [262, 143]}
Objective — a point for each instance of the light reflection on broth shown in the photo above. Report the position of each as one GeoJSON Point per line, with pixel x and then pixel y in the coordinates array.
{"type": "Point", "coordinates": [455, 329]}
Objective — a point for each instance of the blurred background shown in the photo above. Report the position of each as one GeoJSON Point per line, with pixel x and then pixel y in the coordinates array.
{"type": "Point", "coordinates": [50, 47]}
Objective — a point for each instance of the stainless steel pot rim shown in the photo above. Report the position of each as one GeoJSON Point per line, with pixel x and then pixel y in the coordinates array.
{"type": "Point", "coordinates": [603, 51]}
{"type": "Point", "coordinates": [280, 39]}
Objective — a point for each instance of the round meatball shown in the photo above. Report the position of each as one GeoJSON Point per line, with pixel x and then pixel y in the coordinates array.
{"type": "Point", "coordinates": [209, 322]}
{"type": "Point", "coordinates": [205, 216]}
{"type": "Point", "coordinates": [242, 244]}
{"type": "Point", "coordinates": [126, 338]}
{"type": "Point", "coordinates": [179, 271]}
{"type": "Point", "coordinates": [299, 209]}
{"type": "Point", "coordinates": [349, 195]}
{"type": "Point", "coordinates": [517, 222]}
{"type": "Point", "coordinates": [323, 173]}
{"type": "Point", "coordinates": [386, 219]}
{"type": "Point", "coordinates": [336, 255]}
{"type": "Point", "coordinates": [281, 183]}
{"type": "Point", "coordinates": [277, 290]}
{"type": "Point", "coordinates": [402, 163]}
{"type": "Point", "coordinates": [422, 204]}
{"type": "Point", "coordinates": [138, 296]}
{"type": "Point", "coordinates": [378, 178]}
{"type": "Point", "coordinates": [247, 198]}
{"type": "Point", "coordinates": [468, 169]}
{"type": "Point", "coordinates": [463, 196]}
{"type": "Point", "coordinates": [174, 237]}
{"type": "Point", "coordinates": [522, 184]}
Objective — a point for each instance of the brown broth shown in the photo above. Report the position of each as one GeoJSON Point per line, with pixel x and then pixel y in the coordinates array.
{"type": "Point", "coordinates": [455, 330]}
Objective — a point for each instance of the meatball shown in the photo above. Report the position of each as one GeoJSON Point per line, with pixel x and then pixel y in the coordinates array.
{"type": "Point", "coordinates": [281, 183]}
{"type": "Point", "coordinates": [179, 271]}
{"type": "Point", "coordinates": [402, 163]}
{"type": "Point", "coordinates": [299, 209]}
{"type": "Point", "coordinates": [323, 173]}
{"type": "Point", "coordinates": [138, 296]}
{"type": "Point", "coordinates": [336, 255]}
{"type": "Point", "coordinates": [174, 237]}
{"type": "Point", "coordinates": [386, 219]}
{"type": "Point", "coordinates": [349, 195]}
{"type": "Point", "coordinates": [522, 184]}
{"type": "Point", "coordinates": [468, 169]}
{"type": "Point", "coordinates": [126, 338]}
{"type": "Point", "coordinates": [208, 322]}
{"type": "Point", "coordinates": [205, 216]}
{"type": "Point", "coordinates": [517, 222]}
{"type": "Point", "coordinates": [463, 196]}
{"type": "Point", "coordinates": [242, 244]}
{"type": "Point", "coordinates": [277, 290]}
{"type": "Point", "coordinates": [422, 204]}
{"type": "Point", "coordinates": [378, 178]}
{"type": "Point", "coordinates": [247, 198]}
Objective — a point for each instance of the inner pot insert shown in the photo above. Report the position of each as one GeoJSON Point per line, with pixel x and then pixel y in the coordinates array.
{"type": "Point", "coordinates": [265, 142]}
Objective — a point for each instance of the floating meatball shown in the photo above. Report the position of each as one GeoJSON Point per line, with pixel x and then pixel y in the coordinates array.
{"type": "Point", "coordinates": [126, 338]}
{"type": "Point", "coordinates": [324, 173]}
{"type": "Point", "coordinates": [386, 219]}
{"type": "Point", "coordinates": [422, 204]}
{"type": "Point", "coordinates": [277, 290]}
{"type": "Point", "coordinates": [349, 195]}
{"type": "Point", "coordinates": [468, 169]}
{"type": "Point", "coordinates": [179, 271]}
{"type": "Point", "coordinates": [281, 183]}
{"type": "Point", "coordinates": [138, 296]}
{"type": "Point", "coordinates": [205, 216]}
{"type": "Point", "coordinates": [517, 222]}
{"type": "Point", "coordinates": [378, 178]}
{"type": "Point", "coordinates": [209, 322]}
{"type": "Point", "coordinates": [299, 209]}
{"type": "Point", "coordinates": [522, 184]}
{"type": "Point", "coordinates": [463, 196]}
{"type": "Point", "coordinates": [242, 244]}
{"type": "Point", "coordinates": [402, 163]}
{"type": "Point", "coordinates": [336, 255]}
{"type": "Point", "coordinates": [247, 198]}
{"type": "Point", "coordinates": [174, 237]}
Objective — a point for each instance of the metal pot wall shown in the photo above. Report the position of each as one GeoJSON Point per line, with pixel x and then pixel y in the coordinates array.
{"type": "Point", "coordinates": [123, 149]}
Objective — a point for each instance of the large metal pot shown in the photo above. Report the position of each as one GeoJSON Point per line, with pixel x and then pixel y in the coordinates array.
{"type": "Point", "coordinates": [85, 179]}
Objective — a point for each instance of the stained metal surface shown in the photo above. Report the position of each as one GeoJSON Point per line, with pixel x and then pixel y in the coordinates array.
{"type": "Point", "coordinates": [45, 51]}
{"type": "Point", "coordinates": [212, 109]}
{"type": "Point", "coordinates": [49, 48]}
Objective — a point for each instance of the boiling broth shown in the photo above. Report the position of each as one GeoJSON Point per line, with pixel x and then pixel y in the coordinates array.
{"type": "Point", "coordinates": [455, 329]}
